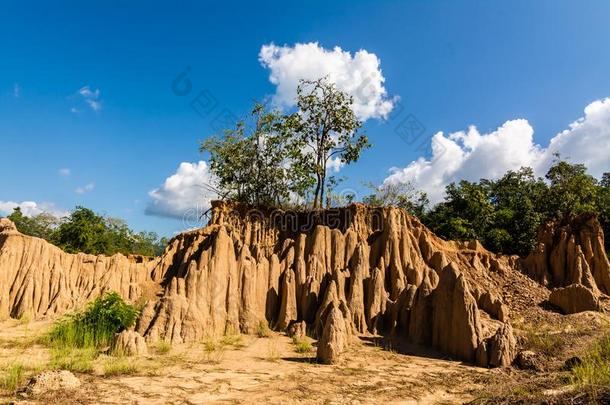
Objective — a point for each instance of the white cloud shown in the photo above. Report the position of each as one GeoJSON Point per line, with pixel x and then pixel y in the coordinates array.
{"type": "Point", "coordinates": [88, 93]}
{"type": "Point", "coordinates": [94, 104]}
{"type": "Point", "coordinates": [470, 155]}
{"type": "Point", "coordinates": [31, 208]}
{"type": "Point", "coordinates": [65, 172]}
{"type": "Point", "coordinates": [85, 189]}
{"type": "Point", "coordinates": [587, 140]}
{"type": "Point", "coordinates": [334, 164]}
{"type": "Point", "coordinates": [185, 194]}
{"type": "Point", "coordinates": [358, 75]}
{"type": "Point", "coordinates": [16, 90]}
{"type": "Point", "coordinates": [91, 97]}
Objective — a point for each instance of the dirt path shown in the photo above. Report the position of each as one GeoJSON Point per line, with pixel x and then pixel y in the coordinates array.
{"type": "Point", "coordinates": [256, 370]}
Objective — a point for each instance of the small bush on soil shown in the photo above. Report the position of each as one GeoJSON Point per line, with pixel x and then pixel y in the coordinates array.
{"type": "Point", "coordinates": [12, 377]}
{"type": "Point", "coordinates": [593, 374]}
{"type": "Point", "coordinates": [25, 319]}
{"type": "Point", "coordinates": [95, 326]}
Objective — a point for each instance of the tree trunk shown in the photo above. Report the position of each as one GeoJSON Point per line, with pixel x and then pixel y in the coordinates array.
{"type": "Point", "coordinates": [317, 192]}
{"type": "Point", "coordinates": [323, 186]}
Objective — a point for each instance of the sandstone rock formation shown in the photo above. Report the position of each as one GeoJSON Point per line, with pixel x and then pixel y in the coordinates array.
{"type": "Point", "coordinates": [570, 251]}
{"type": "Point", "coordinates": [375, 270]}
{"type": "Point", "coordinates": [128, 343]}
{"type": "Point", "coordinates": [334, 338]}
{"type": "Point", "coordinates": [297, 329]}
{"type": "Point", "coordinates": [380, 268]}
{"type": "Point", "coordinates": [528, 360]}
{"type": "Point", "coordinates": [574, 298]}
{"type": "Point", "coordinates": [37, 278]}
{"type": "Point", "coordinates": [569, 256]}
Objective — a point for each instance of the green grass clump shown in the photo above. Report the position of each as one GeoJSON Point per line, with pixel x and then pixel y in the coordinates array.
{"type": "Point", "coordinates": [593, 374]}
{"type": "Point", "coordinates": [96, 325]}
{"type": "Point", "coordinates": [302, 345]}
{"type": "Point", "coordinates": [78, 360]}
{"type": "Point", "coordinates": [545, 342]}
{"type": "Point", "coordinates": [273, 354]}
{"type": "Point", "coordinates": [12, 377]}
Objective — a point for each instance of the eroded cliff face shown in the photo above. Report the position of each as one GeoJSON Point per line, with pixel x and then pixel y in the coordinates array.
{"type": "Point", "coordinates": [570, 258]}
{"type": "Point", "coordinates": [39, 279]}
{"type": "Point", "coordinates": [379, 267]}
{"type": "Point", "coordinates": [336, 273]}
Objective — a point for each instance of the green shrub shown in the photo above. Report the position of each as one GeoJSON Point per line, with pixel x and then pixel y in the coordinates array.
{"type": "Point", "coordinates": [95, 326]}
{"type": "Point", "coordinates": [214, 351]}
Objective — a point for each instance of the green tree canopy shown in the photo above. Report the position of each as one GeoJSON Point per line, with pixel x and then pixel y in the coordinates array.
{"type": "Point", "coordinates": [324, 128]}
{"type": "Point", "coordinates": [251, 162]}
{"type": "Point", "coordinates": [282, 156]}
{"type": "Point", "coordinates": [41, 226]}
{"type": "Point", "coordinates": [505, 214]}
{"type": "Point", "coordinates": [402, 195]}
{"type": "Point", "coordinates": [572, 190]}
{"type": "Point", "coordinates": [85, 231]}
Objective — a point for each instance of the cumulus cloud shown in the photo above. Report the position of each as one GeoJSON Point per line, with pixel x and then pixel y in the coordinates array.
{"type": "Point", "coordinates": [334, 164]}
{"type": "Point", "coordinates": [32, 208]}
{"type": "Point", "coordinates": [358, 75]}
{"type": "Point", "coordinates": [85, 189]}
{"type": "Point", "coordinates": [91, 98]}
{"type": "Point", "coordinates": [65, 172]}
{"type": "Point", "coordinates": [184, 195]}
{"type": "Point", "coordinates": [587, 140]}
{"type": "Point", "coordinates": [471, 155]}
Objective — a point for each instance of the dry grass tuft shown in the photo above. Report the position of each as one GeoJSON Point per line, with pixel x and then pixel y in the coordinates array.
{"type": "Point", "coordinates": [273, 354]}
{"type": "Point", "coordinates": [113, 366]}
{"type": "Point", "coordinates": [162, 347]}
{"type": "Point", "coordinates": [302, 345]}
{"type": "Point", "coordinates": [593, 374]}
{"type": "Point", "coordinates": [263, 330]}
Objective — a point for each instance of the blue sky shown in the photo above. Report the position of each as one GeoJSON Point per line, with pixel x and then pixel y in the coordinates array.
{"type": "Point", "coordinates": [88, 88]}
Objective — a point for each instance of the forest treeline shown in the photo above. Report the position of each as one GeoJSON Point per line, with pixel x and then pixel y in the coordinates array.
{"type": "Point", "coordinates": [505, 214]}
{"type": "Point", "coordinates": [85, 231]}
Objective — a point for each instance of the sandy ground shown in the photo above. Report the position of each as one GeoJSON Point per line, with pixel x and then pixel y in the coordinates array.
{"type": "Point", "coordinates": [254, 370]}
